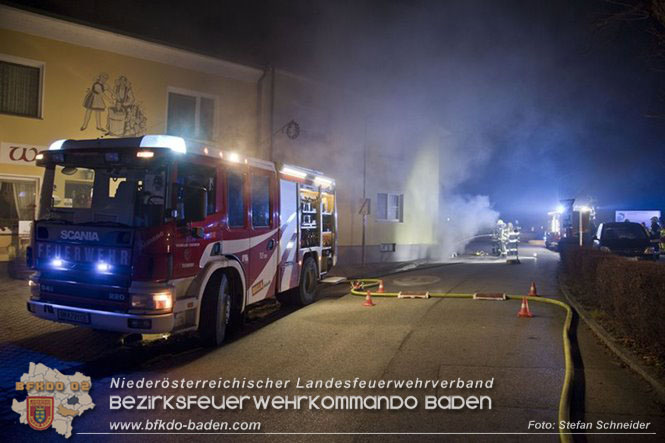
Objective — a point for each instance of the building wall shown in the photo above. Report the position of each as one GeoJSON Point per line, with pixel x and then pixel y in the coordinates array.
{"type": "Point", "coordinates": [350, 138]}
{"type": "Point", "coordinates": [70, 71]}
{"type": "Point", "coordinates": [342, 133]}
{"type": "Point", "coordinates": [71, 66]}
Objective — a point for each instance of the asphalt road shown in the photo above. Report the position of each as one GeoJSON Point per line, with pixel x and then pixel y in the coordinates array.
{"type": "Point", "coordinates": [338, 338]}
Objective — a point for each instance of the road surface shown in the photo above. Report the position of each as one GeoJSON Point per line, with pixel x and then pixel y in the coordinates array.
{"type": "Point", "coordinates": [337, 338]}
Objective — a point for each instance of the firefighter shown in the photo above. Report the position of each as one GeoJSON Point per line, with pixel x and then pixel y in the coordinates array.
{"type": "Point", "coordinates": [497, 248]}
{"type": "Point", "coordinates": [512, 243]}
{"type": "Point", "coordinates": [655, 228]}
{"type": "Point", "coordinates": [661, 245]}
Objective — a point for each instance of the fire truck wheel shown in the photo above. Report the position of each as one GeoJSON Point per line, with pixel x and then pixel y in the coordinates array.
{"type": "Point", "coordinates": [308, 281]}
{"type": "Point", "coordinates": [215, 312]}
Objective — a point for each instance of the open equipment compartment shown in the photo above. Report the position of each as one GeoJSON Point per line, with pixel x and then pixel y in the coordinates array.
{"type": "Point", "coordinates": [310, 224]}
{"type": "Point", "coordinates": [328, 234]}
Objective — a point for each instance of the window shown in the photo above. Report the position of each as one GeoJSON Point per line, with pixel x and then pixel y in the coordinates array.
{"type": "Point", "coordinates": [78, 194]}
{"type": "Point", "coordinates": [17, 210]}
{"type": "Point", "coordinates": [190, 115]}
{"type": "Point", "coordinates": [387, 247]}
{"type": "Point", "coordinates": [260, 201]}
{"type": "Point", "coordinates": [389, 207]}
{"type": "Point", "coordinates": [20, 87]}
{"type": "Point", "coordinates": [192, 176]}
{"type": "Point", "coordinates": [235, 199]}
{"type": "Point", "coordinates": [17, 201]}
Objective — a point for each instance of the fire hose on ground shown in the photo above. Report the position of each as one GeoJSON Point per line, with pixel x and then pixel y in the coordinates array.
{"type": "Point", "coordinates": [360, 287]}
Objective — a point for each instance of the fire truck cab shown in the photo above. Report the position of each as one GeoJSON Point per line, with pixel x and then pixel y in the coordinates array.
{"type": "Point", "coordinates": [154, 234]}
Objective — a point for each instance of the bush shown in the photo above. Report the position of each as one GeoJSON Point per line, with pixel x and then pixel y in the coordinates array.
{"type": "Point", "coordinates": [632, 294]}
{"type": "Point", "coordinates": [580, 270]}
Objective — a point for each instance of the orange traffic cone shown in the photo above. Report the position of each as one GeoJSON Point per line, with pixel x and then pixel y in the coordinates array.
{"type": "Point", "coordinates": [380, 286]}
{"type": "Point", "coordinates": [532, 290]}
{"type": "Point", "coordinates": [524, 310]}
{"type": "Point", "coordinates": [368, 300]}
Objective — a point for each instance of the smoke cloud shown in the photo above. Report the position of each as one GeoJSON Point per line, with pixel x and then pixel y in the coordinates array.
{"type": "Point", "coordinates": [461, 219]}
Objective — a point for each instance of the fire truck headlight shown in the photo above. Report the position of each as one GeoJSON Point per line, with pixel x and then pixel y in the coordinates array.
{"type": "Point", "coordinates": [159, 301]}
{"type": "Point", "coordinates": [34, 288]}
{"type": "Point", "coordinates": [103, 267]}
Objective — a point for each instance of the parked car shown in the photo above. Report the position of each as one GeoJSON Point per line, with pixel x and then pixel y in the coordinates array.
{"type": "Point", "coordinates": [626, 239]}
{"type": "Point", "coordinates": [552, 240]}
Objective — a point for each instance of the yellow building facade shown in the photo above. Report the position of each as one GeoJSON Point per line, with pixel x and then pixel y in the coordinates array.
{"type": "Point", "coordinates": [61, 80]}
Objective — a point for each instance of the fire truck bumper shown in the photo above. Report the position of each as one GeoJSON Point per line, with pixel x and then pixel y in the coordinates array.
{"type": "Point", "coordinates": [109, 321]}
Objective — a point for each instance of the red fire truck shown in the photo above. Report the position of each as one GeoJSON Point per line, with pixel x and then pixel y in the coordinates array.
{"type": "Point", "coordinates": [154, 234]}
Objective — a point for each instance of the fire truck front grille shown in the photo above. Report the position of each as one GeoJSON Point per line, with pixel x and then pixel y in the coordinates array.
{"type": "Point", "coordinates": [99, 297]}
{"type": "Point", "coordinates": [87, 276]}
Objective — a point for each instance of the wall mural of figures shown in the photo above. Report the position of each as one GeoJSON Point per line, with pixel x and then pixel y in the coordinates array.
{"type": "Point", "coordinates": [124, 115]}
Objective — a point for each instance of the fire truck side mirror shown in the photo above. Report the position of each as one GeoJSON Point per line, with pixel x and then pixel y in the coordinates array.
{"type": "Point", "coordinates": [195, 203]}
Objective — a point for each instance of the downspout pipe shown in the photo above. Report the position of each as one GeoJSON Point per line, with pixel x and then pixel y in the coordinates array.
{"type": "Point", "coordinates": [259, 111]}
{"type": "Point", "coordinates": [272, 111]}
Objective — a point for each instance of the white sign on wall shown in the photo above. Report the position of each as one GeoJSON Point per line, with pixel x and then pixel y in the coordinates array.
{"type": "Point", "coordinates": [636, 216]}
{"type": "Point", "coordinates": [19, 154]}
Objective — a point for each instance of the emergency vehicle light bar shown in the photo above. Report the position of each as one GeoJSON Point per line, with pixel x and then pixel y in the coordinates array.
{"type": "Point", "coordinates": [175, 144]}
{"type": "Point", "coordinates": [300, 172]}
{"type": "Point", "coordinates": [56, 145]}
{"type": "Point", "coordinates": [294, 172]}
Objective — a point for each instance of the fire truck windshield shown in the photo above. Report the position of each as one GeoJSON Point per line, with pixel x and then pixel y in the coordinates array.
{"type": "Point", "coordinates": [84, 192]}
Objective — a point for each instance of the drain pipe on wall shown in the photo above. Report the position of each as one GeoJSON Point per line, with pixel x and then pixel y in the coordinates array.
{"type": "Point", "coordinates": [365, 207]}
{"type": "Point", "coordinates": [259, 112]}
{"type": "Point", "coordinates": [272, 109]}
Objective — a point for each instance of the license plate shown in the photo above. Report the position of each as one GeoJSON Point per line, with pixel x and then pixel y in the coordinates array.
{"type": "Point", "coordinates": [73, 316]}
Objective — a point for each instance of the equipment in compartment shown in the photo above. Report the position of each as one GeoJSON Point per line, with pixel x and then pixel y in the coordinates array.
{"type": "Point", "coordinates": [310, 236]}
{"type": "Point", "coordinates": [317, 223]}
{"type": "Point", "coordinates": [328, 219]}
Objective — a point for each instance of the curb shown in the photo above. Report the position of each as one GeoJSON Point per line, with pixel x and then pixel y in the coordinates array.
{"type": "Point", "coordinates": [620, 351]}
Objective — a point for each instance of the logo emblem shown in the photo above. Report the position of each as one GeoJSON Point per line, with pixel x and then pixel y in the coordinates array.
{"type": "Point", "coordinates": [79, 235]}
{"type": "Point", "coordinates": [40, 412]}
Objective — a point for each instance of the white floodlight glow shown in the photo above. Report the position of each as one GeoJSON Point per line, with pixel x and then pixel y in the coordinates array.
{"type": "Point", "coordinates": [175, 144]}
{"type": "Point", "coordinates": [584, 209]}
{"type": "Point", "coordinates": [57, 145]}
{"type": "Point", "coordinates": [145, 154]}
{"type": "Point", "coordinates": [293, 172]}
{"type": "Point", "coordinates": [57, 263]}
{"type": "Point", "coordinates": [560, 209]}
{"type": "Point", "coordinates": [323, 181]}
{"type": "Point", "coordinates": [39, 157]}
{"type": "Point", "coordinates": [103, 267]}
{"type": "Point", "coordinates": [235, 158]}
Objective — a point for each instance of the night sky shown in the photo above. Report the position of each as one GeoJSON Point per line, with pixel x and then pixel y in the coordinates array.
{"type": "Point", "coordinates": [552, 105]}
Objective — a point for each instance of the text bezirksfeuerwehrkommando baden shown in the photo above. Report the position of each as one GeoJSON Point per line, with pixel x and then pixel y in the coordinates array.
{"type": "Point", "coordinates": [154, 394]}
{"type": "Point", "coordinates": [298, 383]}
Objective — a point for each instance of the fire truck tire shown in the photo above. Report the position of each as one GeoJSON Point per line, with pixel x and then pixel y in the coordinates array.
{"type": "Point", "coordinates": [308, 281]}
{"type": "Point", "coordinates": [215, 311]}
{"type": "Point", "coordinates": [306, 290]}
